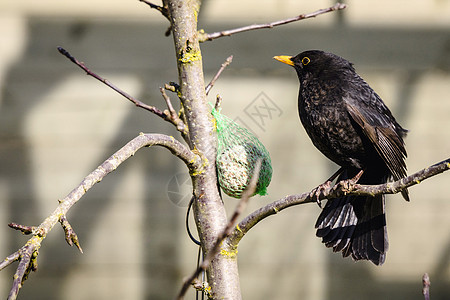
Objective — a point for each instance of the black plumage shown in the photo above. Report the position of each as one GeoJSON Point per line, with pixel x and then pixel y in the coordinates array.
{"type": "Point", "coordinates": [349, 123]}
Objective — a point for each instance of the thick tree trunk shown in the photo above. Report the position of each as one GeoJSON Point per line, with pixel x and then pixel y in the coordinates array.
{"type": "Point", "coordinates": [209, 212]}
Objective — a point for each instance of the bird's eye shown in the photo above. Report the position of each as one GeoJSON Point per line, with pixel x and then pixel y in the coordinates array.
{"type": "Point", "coordinates": [305, 60]}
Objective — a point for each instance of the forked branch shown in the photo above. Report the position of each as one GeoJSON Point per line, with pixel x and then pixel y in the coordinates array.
{"type": "Point", "coordinates": [27, 255]}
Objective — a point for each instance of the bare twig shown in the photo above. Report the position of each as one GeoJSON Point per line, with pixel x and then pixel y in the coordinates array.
{"type": "Point", "coordinates": [27, 255]}
{"type": "Point", "coordinates": [179, 120]}
{"type": "Point", "coordinates": [426, 286]}
{"type": "Point", "coordinates": [161, 9]}
{"type": "Point", "coordinates": [156, 111]}
{"type": "Point", "coordinates": [9, 260]}
{"type": "Point", "coordinates": [24, 229]}
{"type": "Point", "coordinates": [172, 115]}
{"type": "Point", "coordinates": [345, 187]}
{"type": "Point", "coordinates": [69, 233]}
{"type": "Point", "coordinates": [249, 191]}
{"type": "Point", "coordinates": [222, 67]}
{"type": "Point", "coordinates": [172, 111]}
{"type": "Point", "coordinates": [203, 37]}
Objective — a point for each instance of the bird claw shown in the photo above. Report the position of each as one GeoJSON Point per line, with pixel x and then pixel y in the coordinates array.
{"type": "Point", "coordinates": [325, 187]}
{"type": "Point", "coordinates": [347, 185]}
{"type": "Point", "coordinates": [355, 179]}
{"type": "Point", "coordinates": [319, 191]}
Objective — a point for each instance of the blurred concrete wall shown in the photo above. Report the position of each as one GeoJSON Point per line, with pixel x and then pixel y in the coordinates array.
{"type": "Point", "coordinates": [56, 125]}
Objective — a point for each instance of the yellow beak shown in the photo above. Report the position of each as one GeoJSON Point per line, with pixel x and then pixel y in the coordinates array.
{"type": "Point", "coordinates": [285, 59]}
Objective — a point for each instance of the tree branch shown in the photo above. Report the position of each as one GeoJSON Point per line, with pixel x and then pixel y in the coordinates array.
{"type": "Point", "coordinates": [167, 117]}
{"type": "Point", "coordinates": [341, 188]}
{"type": "Point", "coordinates": [222, 67]}
{"type": "Point", "coordinates": [161, 9]}
{"type": "Point", "coordinates": [426, 286]}
{"type": "Point", "coordinates": [172, 115]}
{"type": "Point", "coordinates": [203, 37]}
{"type": "Point", "coordinates": [27, 255]}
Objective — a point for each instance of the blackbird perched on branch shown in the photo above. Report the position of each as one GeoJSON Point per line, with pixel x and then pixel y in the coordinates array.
{"type": "Point", "coordinates": [349, 123]}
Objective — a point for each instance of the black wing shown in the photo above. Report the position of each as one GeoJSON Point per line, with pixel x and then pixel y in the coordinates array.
{"type": "Point", "coordinates": [378, 124]}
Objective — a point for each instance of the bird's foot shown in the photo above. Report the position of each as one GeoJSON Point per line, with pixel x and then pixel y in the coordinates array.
{"type": "Point", "coordinates": [348, 184]}
{"type": "Point", "coordinates": [320, 191]}
{"type": "Point", "coordinates": [326, 186]}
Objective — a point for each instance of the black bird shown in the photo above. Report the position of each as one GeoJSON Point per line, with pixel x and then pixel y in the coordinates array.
{"type": "Point", "coordinates": [349, 123]}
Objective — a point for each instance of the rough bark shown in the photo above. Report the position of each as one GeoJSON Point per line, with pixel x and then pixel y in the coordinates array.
{"type": "Point", "coordinates": [209, 212]}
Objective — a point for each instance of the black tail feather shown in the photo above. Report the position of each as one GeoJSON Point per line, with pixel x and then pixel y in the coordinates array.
{"type": "Point", "coordinates": [355, 225]}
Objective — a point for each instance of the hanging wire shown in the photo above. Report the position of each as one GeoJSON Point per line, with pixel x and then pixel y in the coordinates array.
{"type": "Point", "coordinates": [199, 254]}
{"type": "Point", "coordinates": [187, 223]}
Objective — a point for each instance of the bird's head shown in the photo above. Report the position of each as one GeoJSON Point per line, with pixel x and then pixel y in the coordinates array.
{"type": "Point", "coordinates": [315, 62]}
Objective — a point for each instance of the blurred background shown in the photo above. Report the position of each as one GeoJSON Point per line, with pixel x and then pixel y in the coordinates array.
{"type": "Point", "coordinates": [57, 125]}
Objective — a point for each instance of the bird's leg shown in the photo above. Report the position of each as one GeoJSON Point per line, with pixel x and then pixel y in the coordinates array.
{"type": "Point", "coordinates": [316, 192]}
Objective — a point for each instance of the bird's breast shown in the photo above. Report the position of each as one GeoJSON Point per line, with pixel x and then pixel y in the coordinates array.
{"type": "Point", "coordinates": [329, 126]}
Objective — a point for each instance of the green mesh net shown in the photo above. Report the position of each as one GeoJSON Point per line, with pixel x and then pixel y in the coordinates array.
{"type": "Point", "coordinates": [238, 151]}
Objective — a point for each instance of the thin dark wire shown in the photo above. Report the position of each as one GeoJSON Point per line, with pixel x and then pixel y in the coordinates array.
{"type": "Point", "coordinates": [198, 263]}
{"type": "Point", "coordinates": [187, 223]}
{"type": "Point", "coordinates": [196, 242]}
